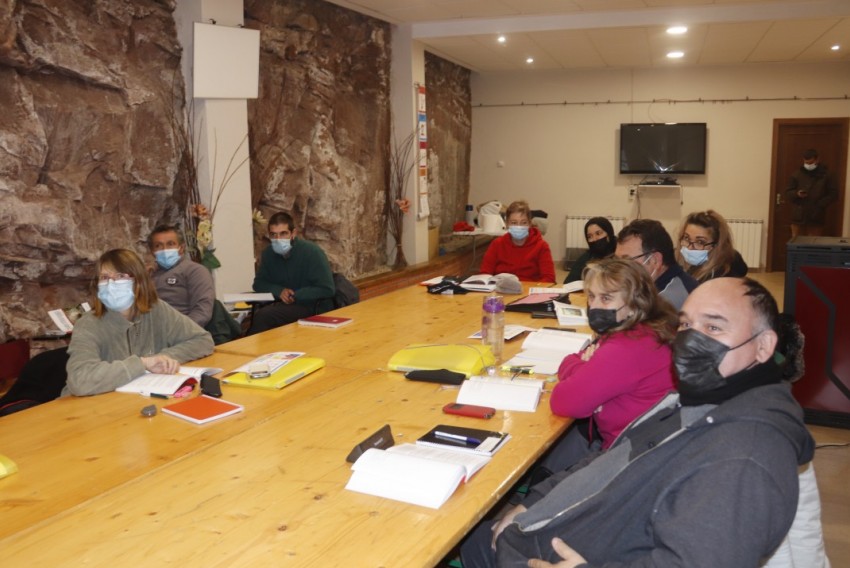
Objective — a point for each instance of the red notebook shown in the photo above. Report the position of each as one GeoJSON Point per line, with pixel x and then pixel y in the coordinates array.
{"type": "Point", "coordinates": [325, 321]}
{"type": "Point", "coordinates": [202, 409]}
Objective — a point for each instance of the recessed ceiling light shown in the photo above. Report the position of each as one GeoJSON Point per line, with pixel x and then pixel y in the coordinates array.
{"type": "Point", "coordinates": [675, 55]}
{"type": "Point", "coordinates": [835, 47]}
{"type": "Point", "coordinates": [529, 60]}
{"type": "Point", "coordinates": [677, 30]}
{"type": "Point", "coordinates": [501, 39]}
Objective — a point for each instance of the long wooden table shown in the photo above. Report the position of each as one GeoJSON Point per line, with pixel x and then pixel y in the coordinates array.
{"type": "Point", "coordinates": [101, 486]}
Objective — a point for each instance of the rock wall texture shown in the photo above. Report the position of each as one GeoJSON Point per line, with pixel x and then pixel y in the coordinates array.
{"type": "Point", "coordinates": [320, 127]}
{"type": "Point", "coordinates": [87, 160]}
{"type": "Point", "coordinates": [449, 140]}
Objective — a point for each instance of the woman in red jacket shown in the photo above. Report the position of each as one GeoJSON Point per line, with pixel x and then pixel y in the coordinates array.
{"type": "Point", "coordinates": [521, 251]}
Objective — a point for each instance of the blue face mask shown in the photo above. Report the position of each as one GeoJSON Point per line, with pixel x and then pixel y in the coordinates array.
{"type": "Point", "coordinates": [116, 295]}
{"type": "Point", "coordinates": [167, 258]}
{"type": "Point", "coordinates": [518, 232]}
{"type": "Point", "coordinates": [281, 246]}
{"type": "Point", "coordinates": [694, 257]}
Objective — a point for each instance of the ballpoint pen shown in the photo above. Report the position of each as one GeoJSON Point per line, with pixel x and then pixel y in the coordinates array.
{"type": "Point", "coordinates": [457, 437]}
{"type": "Point", "coordinates": [523, 369]}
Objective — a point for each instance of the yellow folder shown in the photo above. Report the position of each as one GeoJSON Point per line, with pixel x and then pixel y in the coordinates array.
{"type": "Point", "coordinates": [286, 375]}
{"type": "Point", "coordinates": [465, 358]}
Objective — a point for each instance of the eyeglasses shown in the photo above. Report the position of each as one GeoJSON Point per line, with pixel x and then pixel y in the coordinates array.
{"type": "Point", "coordinates": [104, 278]}
{"type": "Point", "coordinates": [695, 245]}
{"type": "Point", "coordinates": [640, 255]}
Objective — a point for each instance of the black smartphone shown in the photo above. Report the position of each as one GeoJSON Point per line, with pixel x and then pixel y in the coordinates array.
{"type": "Point", "coordinates": [210, 386]}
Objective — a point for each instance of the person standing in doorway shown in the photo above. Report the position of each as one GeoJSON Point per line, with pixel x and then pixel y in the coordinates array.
{"type": "Point", "coordinates": [811, 189]}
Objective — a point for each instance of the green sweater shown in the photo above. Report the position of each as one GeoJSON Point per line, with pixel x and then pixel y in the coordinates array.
{"type": "Point", "coordinates": [305, 270]}
{"type": "Point", "coordinates": [105, 352]}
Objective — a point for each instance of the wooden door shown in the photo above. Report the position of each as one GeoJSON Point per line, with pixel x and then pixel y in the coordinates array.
{"type": "Point", "coordinates": [792, 137]}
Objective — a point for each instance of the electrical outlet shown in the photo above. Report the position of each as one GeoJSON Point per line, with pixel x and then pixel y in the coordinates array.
{"type": "Point", "coordinates": [632, 191]}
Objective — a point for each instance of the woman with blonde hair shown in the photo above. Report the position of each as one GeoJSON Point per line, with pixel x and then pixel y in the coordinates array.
{"type": "Point", "coordinates": [706, 250]}
{"type": "Point", "coordinates": [129, 331]}
{"type": "Point", "coordinates": [521, 251]}
{"type": "Point", "coordinates": [625, 370]}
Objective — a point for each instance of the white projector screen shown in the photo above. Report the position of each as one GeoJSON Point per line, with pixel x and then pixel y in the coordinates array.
{"type": "Point", "coordinates": [227, 62]}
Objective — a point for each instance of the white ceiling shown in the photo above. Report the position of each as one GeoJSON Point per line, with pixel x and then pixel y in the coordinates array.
{"type": "Point", "coordinates": [575, 34]}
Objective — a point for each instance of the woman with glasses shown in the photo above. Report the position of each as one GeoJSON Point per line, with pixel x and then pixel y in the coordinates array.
{"type": "Point", "coordinates": [129, 331]}
{"type": "Point", "coordinates": [706, 249]}
{"type": "Point", "coordinates": [521, 251]}
{"type": "Point", "coordinates": [601, 242]}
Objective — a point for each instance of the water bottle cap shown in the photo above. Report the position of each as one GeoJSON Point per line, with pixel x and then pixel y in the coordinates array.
{"type": "Point", "coordinates": [469, 207]}
{"type": "Point", "coordinates": [494, 304]}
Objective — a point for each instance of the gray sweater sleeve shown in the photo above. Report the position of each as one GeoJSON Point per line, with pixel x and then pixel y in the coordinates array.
{"type": "Point", "coordinates": [89, 372]}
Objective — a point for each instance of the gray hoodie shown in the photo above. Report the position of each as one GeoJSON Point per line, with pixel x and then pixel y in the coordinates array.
{"type": "Point", "coordinates": [709, 486]}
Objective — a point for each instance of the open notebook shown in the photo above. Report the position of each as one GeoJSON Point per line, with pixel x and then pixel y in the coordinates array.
{"type": "Point", "coordinates": [294, 370]}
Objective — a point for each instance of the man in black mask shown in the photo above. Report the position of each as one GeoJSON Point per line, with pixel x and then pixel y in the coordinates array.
{"type": "Point", "coordinates": [707, 478]}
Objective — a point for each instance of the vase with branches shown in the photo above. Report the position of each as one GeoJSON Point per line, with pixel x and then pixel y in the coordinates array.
{"type": "Point", "coordinates": [197, 216]}
{"type": "Point", "coordinates": [396, 204]}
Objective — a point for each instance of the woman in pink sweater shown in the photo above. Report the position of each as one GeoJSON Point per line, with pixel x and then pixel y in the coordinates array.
{"type": "Point", "coordinates": [628, 366]}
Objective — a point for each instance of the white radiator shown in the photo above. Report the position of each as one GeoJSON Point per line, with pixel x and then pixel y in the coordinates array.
{"type": "Point", "coordinates": [575, 229]}
{"type": "Point", "coordinates": [746, 237]}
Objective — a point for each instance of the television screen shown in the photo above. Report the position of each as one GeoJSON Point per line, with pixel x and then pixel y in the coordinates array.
{"type": "Point", "coordinates": [662, 148]}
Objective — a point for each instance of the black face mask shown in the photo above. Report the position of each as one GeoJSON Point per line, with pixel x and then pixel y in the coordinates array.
{"type": "Point", "coordinates": [697, 358]}
{"type": "Point", "coordinates": [601, 320]}
{"type": "Point", "coordinates": [599, 248]}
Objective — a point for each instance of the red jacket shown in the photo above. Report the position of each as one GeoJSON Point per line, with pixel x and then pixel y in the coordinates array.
{"type": "Point", "coordinates": [532, 261]}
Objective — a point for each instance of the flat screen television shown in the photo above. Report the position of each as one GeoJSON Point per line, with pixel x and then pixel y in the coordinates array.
{"type": "Point", "coordinates": [662, 148]}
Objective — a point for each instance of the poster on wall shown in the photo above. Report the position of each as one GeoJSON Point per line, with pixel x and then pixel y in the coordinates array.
{"type": "Point", "coordinates": [422, 128]}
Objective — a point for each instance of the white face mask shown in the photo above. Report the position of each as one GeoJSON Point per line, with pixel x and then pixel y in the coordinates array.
{"type": "Point", "coordinates": [810, 167]}
{"type": "Point", "coordinates": [694, 257]}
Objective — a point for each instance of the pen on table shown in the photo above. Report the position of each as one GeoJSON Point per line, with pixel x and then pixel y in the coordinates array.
{"type": "Point", "coordinates": [157, 395]}
{"type": "Point", "coordinates": [464, 439]}
{"type": "Point", "coordinates": [525, 369]}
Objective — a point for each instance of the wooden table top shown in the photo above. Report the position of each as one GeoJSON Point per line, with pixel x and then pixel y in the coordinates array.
{"type": "Point", "coordinates": [274, 494]}
{"type": "Point", "coordinates": [383, 325]}
{"type": "Point", "coordinates": [99, 443]}
{"type": "Point", "coordinates": [102, 486]}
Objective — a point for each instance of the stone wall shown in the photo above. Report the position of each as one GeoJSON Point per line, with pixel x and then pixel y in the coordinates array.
{"type": "Point", "coordinates": [449, 140]}
{"type": "Point", "coordinates": [320, 127]}
{"type": "Point", "coordinates": [87, 160]}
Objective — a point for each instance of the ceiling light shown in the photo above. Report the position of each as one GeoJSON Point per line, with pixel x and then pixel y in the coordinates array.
{"type": "Point", "coordinates": [677, 30]}
{"type": "Point", "coordinates": [675, 55]}
{"type": "Point", "coordinates": [835, 47]}
{"type": "Point", "coordinates": [501, 39]}
{"type": "Point", "coordinates": [529, 60]}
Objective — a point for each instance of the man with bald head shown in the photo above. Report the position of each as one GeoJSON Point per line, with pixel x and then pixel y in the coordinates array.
{"type": "Point", "coordinates": [706, 478]}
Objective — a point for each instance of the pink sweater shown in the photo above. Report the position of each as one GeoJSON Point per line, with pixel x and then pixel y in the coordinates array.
{"type": "Point", "coordinates": [629, 372]}
{"type": "Point", "coordinates": [531, 262]}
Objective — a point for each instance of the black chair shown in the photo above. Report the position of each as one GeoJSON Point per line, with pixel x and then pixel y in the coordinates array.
{"type": "Point", "coordinates": [41, 380]}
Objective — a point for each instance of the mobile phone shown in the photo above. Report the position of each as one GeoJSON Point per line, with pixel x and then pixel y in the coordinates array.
{"type": "Point", "coordinates": [259, 370]}
{"type": "Point", "coordinates": [210, 386]}
{"type": "Point", "coordinates": [469, 410]}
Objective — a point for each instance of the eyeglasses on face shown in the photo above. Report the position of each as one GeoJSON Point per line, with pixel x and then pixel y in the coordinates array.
{"type": "Point", "coordinates": [107, 276]}
{"type": "Point", "coordinates": [698, 244]}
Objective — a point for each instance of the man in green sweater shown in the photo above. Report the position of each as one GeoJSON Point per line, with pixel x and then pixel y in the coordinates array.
{"type": "Point", "coordinates": [296, 272]}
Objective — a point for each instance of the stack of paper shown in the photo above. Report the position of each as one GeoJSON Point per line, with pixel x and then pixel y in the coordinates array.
{"type": "Point", "coordinates": [501, 393]}
{"type": "Point", "coordinates": [544, 350]}
{"type": "Point", "coordinates": [413, 474]}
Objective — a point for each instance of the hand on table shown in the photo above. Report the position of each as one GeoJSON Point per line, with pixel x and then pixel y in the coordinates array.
{"type": "Point", "coordinates": [162, 364]}
{"type": "Point", "coordinates": [570, 557]}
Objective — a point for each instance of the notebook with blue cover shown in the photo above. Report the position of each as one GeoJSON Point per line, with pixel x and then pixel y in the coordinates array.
{"type": "Point", "coordinates": [285, 376]}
